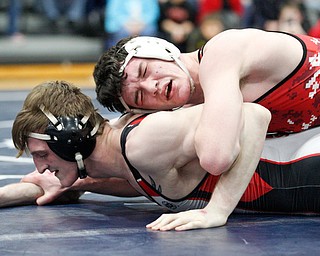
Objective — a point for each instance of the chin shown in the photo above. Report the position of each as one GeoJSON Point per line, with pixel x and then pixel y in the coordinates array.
{"type": "Point", "coordinates": [66, 183]}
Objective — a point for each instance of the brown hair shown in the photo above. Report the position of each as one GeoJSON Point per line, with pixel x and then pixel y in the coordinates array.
{"type": "Point", "coordinates": [58, 97]}
{"type": "Point", "coordinates": [108, 78]}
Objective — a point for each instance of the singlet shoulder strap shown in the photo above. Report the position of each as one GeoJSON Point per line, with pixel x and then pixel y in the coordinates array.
{"type": "Point", "coordinates": [200, 53]}
{"type": "Point", "coordinates": [123, 140]}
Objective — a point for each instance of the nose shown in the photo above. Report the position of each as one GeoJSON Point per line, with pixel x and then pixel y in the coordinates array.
{"type": "Point", "coordinates": [150, 86]}
{"type": "Point", "coordinates": [43, 168]}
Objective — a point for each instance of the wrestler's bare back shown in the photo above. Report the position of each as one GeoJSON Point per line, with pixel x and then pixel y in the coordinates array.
{"type": "Point", "coordinates": [167, 155]}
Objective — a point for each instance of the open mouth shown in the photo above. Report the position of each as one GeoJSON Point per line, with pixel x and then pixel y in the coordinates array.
{"type": "Point", "coordinates": [168, 90]}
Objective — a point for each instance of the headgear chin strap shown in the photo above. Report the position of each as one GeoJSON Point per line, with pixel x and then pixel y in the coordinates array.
{"type": "Point", "coordinates": [71, 138]}
{"type": "Point", "coordinates": [153, 48]}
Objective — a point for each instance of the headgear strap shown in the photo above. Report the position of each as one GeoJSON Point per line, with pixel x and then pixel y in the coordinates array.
{"type": "Point", "coordinates": [71, 138]}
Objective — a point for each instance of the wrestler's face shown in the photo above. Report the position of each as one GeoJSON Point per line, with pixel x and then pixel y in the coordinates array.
{"type": "Point", "coordinates": [155, 84]}
{"type": "Point", "coordinates": [45, 159]}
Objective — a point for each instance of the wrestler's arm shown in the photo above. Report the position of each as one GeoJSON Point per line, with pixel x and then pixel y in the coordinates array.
{"type": "Point", "coordinates": [225, 197]}
{"type": "Point", "coordinates": [52, 190]}
{"type": "Point", "coordinates": [106, 186]}
{"type": "Point", "coordinates": [221, 118]}
{"type": "Point", "coordinates": [231, 184]}
{"type": "Point", "coordinates": [16, 194]}
{"type": "Point", "coordinates": [27, 192]}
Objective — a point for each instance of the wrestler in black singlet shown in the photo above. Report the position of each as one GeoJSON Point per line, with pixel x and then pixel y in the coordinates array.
{"type": "Point", "coordinates": [278, 184]}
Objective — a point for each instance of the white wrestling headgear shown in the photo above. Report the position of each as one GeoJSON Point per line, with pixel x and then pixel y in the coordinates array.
{"type": "Point", "coordinates": [153, 48]}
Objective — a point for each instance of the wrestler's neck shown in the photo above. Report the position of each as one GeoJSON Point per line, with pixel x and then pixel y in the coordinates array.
{"type": "Point", "coordinates": [192, 64]}
{"type": "Point", "coordinates": [197, 96]}
{"type": "Point", "coordinates": [106, 160]}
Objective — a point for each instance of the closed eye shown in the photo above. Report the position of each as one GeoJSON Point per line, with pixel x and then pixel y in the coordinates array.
{"type": "Point", "coordinates": [138, 98]}
{"type": "Point", "coordinates": [145, 71]}
{"type": "Point", "coordinates": [41, 155]}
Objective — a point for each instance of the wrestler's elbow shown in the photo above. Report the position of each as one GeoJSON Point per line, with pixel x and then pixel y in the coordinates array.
{"type": "Point", "coordinates": [220, 161]}
{"type": "Point", "coordinates": [266, 118]}
{"type": "Point", "coordinates": [262, 117]}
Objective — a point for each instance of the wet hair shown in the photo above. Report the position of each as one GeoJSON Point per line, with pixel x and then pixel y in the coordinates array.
{"type": "Point", "coordinates": [58, 97]}
{"type": "Point", "coordinates": [107, 77]}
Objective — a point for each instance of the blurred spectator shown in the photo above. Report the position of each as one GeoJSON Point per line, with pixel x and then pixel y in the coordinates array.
{"type": "Point", "coordinates": [177, 20]}
{"type": "Point", "coordinates": [232, 10]}
{"type": "Point", "coordinates": [312, 10]}
{"type": "Point", "coordinates": [94, 18]}
{"type": "Point", "coordinates": [195, 4]}
{"type": "Point", "coordinates": [14, 14]}
{"type": "Point", "coordinates": [72, 10]}
{"type": "Point", "coordinates": [262, 14]}
{"type": "Point", "coordinates": [315, 30]}
{"type": "Point", "coordinates": [211, 25]}
{"type": "Point", "coordinates": [291, 19]}
{"type": "Point", "coordinates": [130, 18]}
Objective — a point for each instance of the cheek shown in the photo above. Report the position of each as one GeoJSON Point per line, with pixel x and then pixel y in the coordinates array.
{"type": "Point", "coordinates": [159, 70]}
{"type": "Point", "coordinates": [69, 168]}
{"type": "Point", "coordinates": [39, 162]}
{"type": "Point", "coordinates": [36, 163]}
{"type": "Point", "coordinates": [67, 174]}
{"type": "Point", "coordinates": [127, 97]}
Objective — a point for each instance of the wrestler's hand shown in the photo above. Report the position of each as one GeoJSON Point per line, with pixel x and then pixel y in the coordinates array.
{"type": "Point", "coordinates": [49, 183]}
{"type": "Point", "coordinates": [192, 219]}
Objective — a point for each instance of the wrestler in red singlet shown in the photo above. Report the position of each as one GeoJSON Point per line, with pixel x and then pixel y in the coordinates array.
{"type": "Point", "coordinates": [294, 102]}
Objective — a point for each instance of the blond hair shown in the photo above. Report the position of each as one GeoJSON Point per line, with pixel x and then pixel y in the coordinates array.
{"type": "Point", "coordinates": [58, 97]}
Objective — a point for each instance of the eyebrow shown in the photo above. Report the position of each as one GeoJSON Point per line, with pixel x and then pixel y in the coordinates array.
{"type": "Point", "coordinates": [38, 152]}
{"type": "Point", "coordinates": [140, 69]}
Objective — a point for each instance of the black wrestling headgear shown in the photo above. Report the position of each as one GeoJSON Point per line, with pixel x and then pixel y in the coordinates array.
{"type": "Point", "coordinates": [71, 138]}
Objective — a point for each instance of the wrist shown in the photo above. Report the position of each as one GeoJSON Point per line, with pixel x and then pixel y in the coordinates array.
{"type": "Point", "coordinates": [220, 213]}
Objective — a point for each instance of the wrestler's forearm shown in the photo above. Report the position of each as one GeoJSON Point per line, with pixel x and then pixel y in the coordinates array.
{"type": "Point", "coordinates": [234, 182]}
{"type": "Point", "coordinates": [19, 194]}
{"type": "Point", "coordinates": [217, 138]}
{"type": "Point", "coordinates": [106, 186]}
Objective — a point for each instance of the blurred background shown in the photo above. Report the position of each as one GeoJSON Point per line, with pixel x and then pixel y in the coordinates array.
{"type": "Point", "coordinates": [45, 39]}
{"type": "Point", "coordinates": [62, 39]}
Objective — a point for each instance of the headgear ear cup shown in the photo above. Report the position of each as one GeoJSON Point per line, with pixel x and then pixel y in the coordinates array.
{"type": "Point", "coordinates": [71, 138]}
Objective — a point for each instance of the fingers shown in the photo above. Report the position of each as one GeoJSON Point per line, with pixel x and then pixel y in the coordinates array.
{"type": "Point", "coordinates": [29, 177]}
{"type": "Point", "coordinates": [178, 222]}
{"type": "Point", "coordinates": [45, 199]}
{"type": "Point", "coordinates": [165, 222]}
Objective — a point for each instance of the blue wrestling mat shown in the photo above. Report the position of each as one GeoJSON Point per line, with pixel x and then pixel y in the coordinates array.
{"type": "Point", "coordinates": [105, 225]}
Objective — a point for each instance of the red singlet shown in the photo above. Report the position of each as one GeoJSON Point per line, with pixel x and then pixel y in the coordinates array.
{"type": "Point", "coordinates": [294, 102]}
